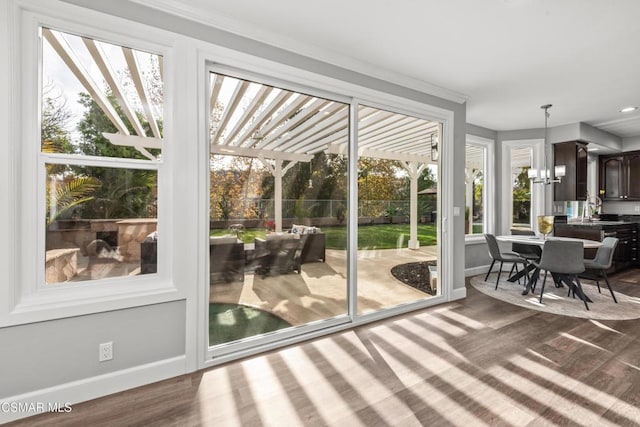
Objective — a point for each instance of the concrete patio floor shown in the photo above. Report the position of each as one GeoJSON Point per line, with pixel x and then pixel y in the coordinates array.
{"type": "Point", "coordinates": [320, 291]}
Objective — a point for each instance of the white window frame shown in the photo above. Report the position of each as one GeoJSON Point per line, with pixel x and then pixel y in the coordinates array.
{"type": "Point", "coordinates": [538, 191]}
{"type": "Point", "coordinates": [26, 299]}
{"type": "Point", "coordinates": [220, 58]}
{"type": "Point", "coordinates": [488, 191]}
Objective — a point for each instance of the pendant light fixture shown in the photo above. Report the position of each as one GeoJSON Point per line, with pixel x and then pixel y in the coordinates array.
{"type": "Point", "coordinates": [544, 175]}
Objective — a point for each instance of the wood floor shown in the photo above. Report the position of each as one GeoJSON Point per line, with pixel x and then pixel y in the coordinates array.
{"type": "Point", "coordinates": [474, 362]}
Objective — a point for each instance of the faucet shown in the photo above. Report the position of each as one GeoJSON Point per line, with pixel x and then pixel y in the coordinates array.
{"type": "Point", "coordinates": [588, 205]}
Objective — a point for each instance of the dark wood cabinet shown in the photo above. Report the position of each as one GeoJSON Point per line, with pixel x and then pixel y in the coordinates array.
{"type": "Point", "coordinates": [632, 161]}
{"type": "Point", "coordinates": [620, 176]}
{"type": "Point", "coordinates": [626, 253]}
{"type": "Point", "coordinates": [573, 155]}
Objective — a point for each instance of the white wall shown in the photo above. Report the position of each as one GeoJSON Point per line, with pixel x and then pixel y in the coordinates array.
{"type": "Point", "coordinates": [631, 144]}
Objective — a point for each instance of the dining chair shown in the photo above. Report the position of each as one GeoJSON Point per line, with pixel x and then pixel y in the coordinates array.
{"type": "Point", "coordinates": [565, 261]}
{"type": "Point", "coordinates": [528, 252]}
{"type": "Point", "coordinates": [497, 255]}
{"type": "Point", "coordinates": [602, 262]}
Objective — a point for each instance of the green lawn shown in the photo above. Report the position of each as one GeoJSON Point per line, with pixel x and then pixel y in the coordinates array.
{"type": "Point", "coordinates": [379, 236]}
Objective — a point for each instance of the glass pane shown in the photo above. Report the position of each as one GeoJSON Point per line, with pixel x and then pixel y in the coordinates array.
{"type": "Point", "coordinates": [90, 88]}
{"type": "Point", "coordinates": [474, 191]}
{"type": "Point", "coordinates": [100, 222]}
{"type": "Point", "coordinates": [521, 160]}
{"type": "Point", "coordinates": [278, 197]}
{"type": "Point", "coordinates": [399, 156]}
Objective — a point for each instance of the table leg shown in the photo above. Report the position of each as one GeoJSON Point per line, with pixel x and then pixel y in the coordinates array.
{"type": "Point", "coordinates": [532, 280]}
{"type": "Point", "coordinates": [522, 273]}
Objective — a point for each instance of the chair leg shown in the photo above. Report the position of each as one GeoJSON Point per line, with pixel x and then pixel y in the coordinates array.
{"type": "Point", "coordinates": [512, 267]}
{"type": "Point", "coordinates": [584, 297]}
{"type": "Point", "coordinates": [598, 283]}
{"type": "Point", "coordinates": [543, 283]}
{"type": "Point", "coordinates": [515, 264]}
{"type": "Point", "coordinates": [606, 280]}
{"type": "Point", "coordinates": [499, 273]}
{"type": "Point", "coordinates": [534, 280]}
{"type": "Point", "coordinates": [489, 272]}
{"type": "Point", "coordinates": [525, 265]}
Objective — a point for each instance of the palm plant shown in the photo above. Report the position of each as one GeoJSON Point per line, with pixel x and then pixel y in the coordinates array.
{"type": "Point", "coordinates": [65, 190]}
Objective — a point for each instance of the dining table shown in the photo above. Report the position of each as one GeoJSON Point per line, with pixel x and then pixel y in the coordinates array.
{"type": "Point", "coordinates": [540, 241]}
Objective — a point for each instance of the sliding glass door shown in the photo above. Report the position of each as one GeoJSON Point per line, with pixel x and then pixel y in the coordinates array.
{"type": "Point", "coordinates": [397, 209]}
{"type": "Point", "coordinates": [277, 210]}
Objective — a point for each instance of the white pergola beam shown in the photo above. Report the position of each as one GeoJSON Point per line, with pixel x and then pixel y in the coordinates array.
{"type": "Point", "coordinates": [62, 48]}
{"type": "Point", "coordinates": [382, 128]}
{"type": "Point", "coordinates": [265, 115]}
{"type": "Point", "coordinates": [380, 154]}
{"type": "Point", "coordinates": [315, 128]}
{"type": "Point", "coordinates": [140, 143]}
{"type": "Point", "coordinates": [257, 101]}
{"type": "Point", "coordinates": [216, 85]}
{"type": "Point", "coordinates": [397, 132]}
{"type": "Point", "coordinates": [260, 153]}
{"type": "Point", "coordinates": [136, 76]}
{"type": "Point", "coordinates": [329, 124]}
{"type": "Point", "coordinates": [309, 111]}
{"type": "Point", "coordinates": [280, 117]}
{"type": "Point", "coordinates": [107, 72]}
{"type": "Point", "coordinates": [230, 108]}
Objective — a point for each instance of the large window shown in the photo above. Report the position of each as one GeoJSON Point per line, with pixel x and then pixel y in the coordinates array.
{"type": "Point", "coordinates": [521, 161]}
{"type": "Point", "coordinates": [479, 174]}
{"type": "Point", "coordinates": [521, 201]}
{"type": "Point", "coordinates": [101, 133]}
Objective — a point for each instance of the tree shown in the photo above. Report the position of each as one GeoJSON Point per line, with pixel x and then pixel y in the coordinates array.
{"type": "Point", "coordinates": [65, 189]}
{"type": "Point", "coordinates": [125, 193]}
{"type": "Point", "coordinates": [234, 182]}
{"type": "Point", "coordinates": [522, 196]}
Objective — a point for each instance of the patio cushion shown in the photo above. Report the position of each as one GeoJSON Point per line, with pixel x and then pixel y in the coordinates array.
{"type": "Point", "coordinates": [223, 239]}
{"type": "Point", "coordinates": [298, 229]}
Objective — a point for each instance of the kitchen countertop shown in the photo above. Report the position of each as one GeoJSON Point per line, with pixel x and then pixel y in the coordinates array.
{"type": "Point", "coordinates": [594, 224]}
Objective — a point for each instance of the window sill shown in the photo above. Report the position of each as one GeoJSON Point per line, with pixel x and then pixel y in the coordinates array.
{"type": "Point", "coordinates": [474, 239]}
{"type": "Point", "coordinates": [46, 305]}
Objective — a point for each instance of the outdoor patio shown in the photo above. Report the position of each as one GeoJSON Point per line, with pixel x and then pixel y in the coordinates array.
{"type": "Point", "coordinates": [320, 291]}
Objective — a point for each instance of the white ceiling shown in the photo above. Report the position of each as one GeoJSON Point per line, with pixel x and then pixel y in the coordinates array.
{"type": "Point", "coordinates": [508, 57]}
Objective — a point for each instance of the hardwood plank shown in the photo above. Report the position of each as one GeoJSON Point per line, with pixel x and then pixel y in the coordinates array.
{"type": "Point", "coordinates": [479, 361]}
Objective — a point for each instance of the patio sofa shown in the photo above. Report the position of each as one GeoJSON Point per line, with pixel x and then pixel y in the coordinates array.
{"type": "Point", "coordinates": [313, 243]}
{"type": "Point", "coordinates": [277, 254]}
{"type": "Point", "coordinates": [226, 258]}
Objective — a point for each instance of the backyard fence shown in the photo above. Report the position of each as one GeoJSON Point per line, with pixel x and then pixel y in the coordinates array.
{"type": "Point", "coordinates": [254, 208]}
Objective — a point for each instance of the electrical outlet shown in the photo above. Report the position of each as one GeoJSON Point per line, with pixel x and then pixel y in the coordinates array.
{"type": "Point", "coordinates": [106, 351]}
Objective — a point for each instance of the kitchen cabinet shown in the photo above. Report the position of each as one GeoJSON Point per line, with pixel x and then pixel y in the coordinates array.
{"type": "Point", "coordinates": [573, 155]}
{"type": "Point", "coordinates": [626, 253]}
{"type": "Point", "coordinates": [620, 176]}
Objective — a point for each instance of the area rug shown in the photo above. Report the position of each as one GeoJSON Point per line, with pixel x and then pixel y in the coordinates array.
{"type": "Point", "coordinates": [231, 322]}
{"type": "Point", "coordinates": [556, 301]}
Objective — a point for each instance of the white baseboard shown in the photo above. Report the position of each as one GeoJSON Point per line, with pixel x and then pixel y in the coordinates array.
{"type": "Point", "coordinates": [90, 388]}
{"type": "Point", "coordinates": [458, 293]}
{"type": "Point", "coordinates": [474, 271]}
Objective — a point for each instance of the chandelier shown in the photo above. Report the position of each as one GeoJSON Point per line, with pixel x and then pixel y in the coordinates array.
{"type": "Point", "coordinates": [544, 176]}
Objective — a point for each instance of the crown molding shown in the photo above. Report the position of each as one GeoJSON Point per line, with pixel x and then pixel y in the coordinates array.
{"type": "Point", "coordinates": [244, 29]}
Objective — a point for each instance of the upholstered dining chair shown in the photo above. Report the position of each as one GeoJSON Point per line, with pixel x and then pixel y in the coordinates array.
{"type": "Point", "coordinates": [602, 262]}
{"type": "Point", "coordinates": [502, 257]}
{"type": "Point", "coordinates": [564, 260]}
{"type": "Point", "coordinates": [528, 252]}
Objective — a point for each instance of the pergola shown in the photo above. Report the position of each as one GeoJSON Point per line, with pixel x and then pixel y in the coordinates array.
{"type": "Point", "coordinates": [279, 127]}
